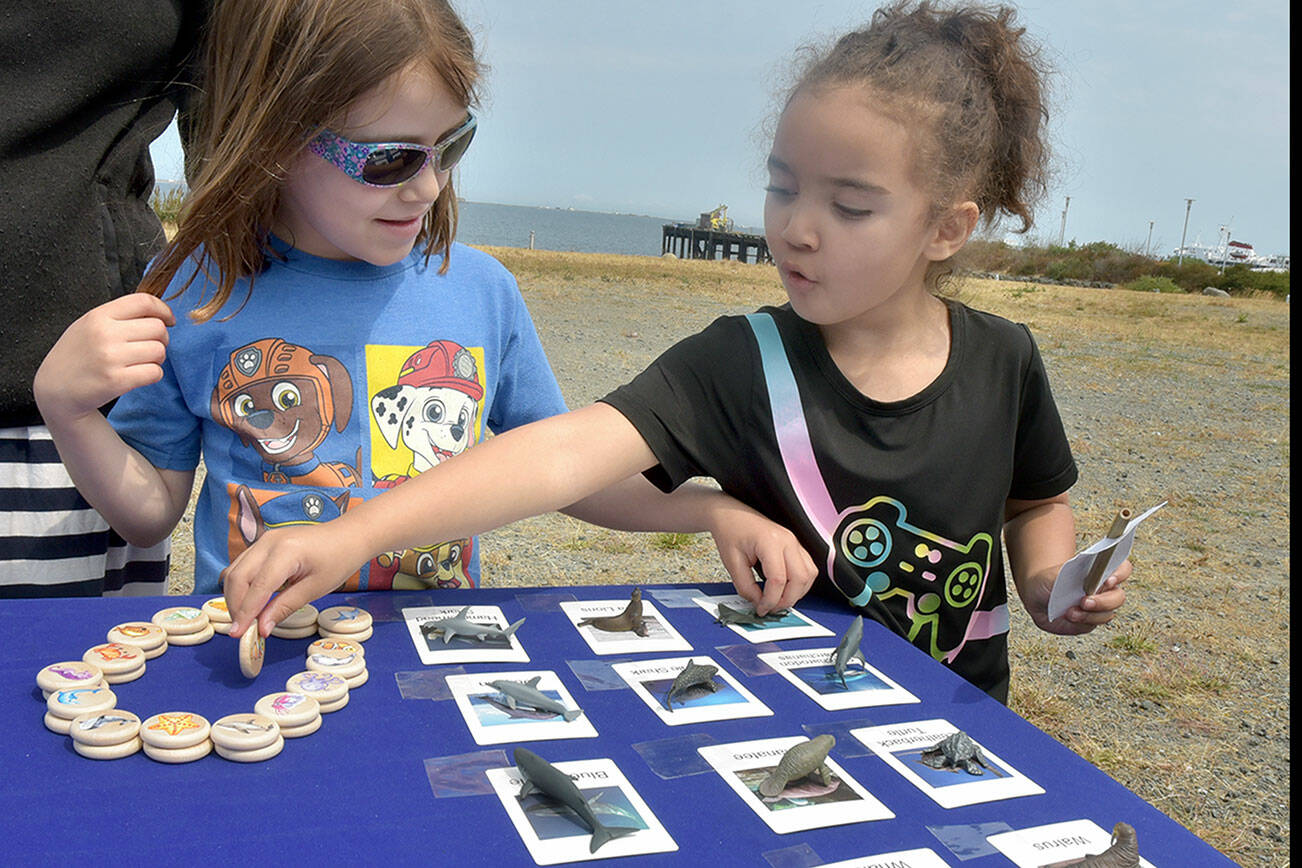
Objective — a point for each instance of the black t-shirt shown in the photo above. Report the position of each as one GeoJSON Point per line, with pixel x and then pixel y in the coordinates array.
{"type": "Point", "coordinates": [900, 503]}
{"type": "Point", "coordinates": [85, 88]}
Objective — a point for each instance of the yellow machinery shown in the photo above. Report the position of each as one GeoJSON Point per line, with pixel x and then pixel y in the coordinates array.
{"type": "Point", "coordinates": [718, 220]}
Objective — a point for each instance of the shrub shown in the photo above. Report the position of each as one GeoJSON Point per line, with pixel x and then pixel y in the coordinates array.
{"type": "Point", "coordinates": [1240, 278]}
{"type": "Point", "coordinates": [1149, 283]}
{"type": "Point", "coordinates": [1105, 262]}
{"type": "Point", "coordinates": [168, 205]}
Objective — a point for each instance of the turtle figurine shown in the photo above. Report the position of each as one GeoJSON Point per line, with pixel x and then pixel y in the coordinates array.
{"type": "Point", "coordinates": [955, 751]}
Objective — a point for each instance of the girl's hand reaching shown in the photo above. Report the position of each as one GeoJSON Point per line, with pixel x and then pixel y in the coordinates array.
{"type": "Point", "coordinates": [746, 539]}
{"type": "Point", "coordinates": [296, 564]}
{"type": "Point", "coordinates": [108, 351]}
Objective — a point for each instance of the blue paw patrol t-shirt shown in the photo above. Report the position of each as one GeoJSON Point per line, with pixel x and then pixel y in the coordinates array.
{"type": "Point", "coordinates": [330, 382]}
{"type": "Point", "coordinates": [901, 503]}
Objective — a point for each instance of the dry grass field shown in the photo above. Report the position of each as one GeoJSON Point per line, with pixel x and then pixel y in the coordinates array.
{"type": "Point", "coordinates": [1185, 697]}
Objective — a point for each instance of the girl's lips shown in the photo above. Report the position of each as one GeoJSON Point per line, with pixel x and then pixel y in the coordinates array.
{"type": "Point", "coordinates": [794, 277]}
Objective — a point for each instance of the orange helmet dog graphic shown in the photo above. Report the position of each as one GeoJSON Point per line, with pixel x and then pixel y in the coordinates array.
{"type": "Point", "coordinates": [282, 399]}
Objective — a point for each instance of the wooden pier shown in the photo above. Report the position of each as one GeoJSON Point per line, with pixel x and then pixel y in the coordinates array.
{"type": "Point", "coordinates": [693, 242]}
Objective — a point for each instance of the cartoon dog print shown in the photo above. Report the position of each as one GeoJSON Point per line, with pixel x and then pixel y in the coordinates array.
{"type": "Point", "coordinates": [282, 400]}
{"type": "Point", "coordinates": [432, 408]}
{"type": "Point", "coordinates": [441, 566]}
{"type": "Point", "coordinates": [252, 519]}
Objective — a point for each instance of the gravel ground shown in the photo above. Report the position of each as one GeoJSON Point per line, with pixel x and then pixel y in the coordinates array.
{"type": "Point", "coordinates": [1185, 697]}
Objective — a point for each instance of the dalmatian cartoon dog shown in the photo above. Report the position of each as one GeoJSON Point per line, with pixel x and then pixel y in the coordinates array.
{"type": "Point", "coordinates": [432, 408]}
{"type": "Point", "coordinates": [281, 400]}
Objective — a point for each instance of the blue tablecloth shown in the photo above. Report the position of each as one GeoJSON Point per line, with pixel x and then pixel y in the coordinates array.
{"type": "Point", "coordinates": [357, 791]}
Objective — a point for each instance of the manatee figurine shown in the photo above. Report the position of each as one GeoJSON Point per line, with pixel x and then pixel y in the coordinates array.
{"type": "Point", "coordinates": [728, 615]}
{"type": "Point", "coordinates": [848, 648]}
{"type": "Point", "coordinates": [629, 619]}
{"type": "Point", "coordinates": [541, 776]}
{"type": "Point", "coordinates": [693, 675]}
{"type": "Point", "coordinates": [955, 751]}
{"type": "Point", "coordinates": [1123, 852]}
{"type": "Point", "coordinates": [803, 759]}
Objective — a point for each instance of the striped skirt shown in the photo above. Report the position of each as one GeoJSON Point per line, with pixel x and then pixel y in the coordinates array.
{"type": "Point", "coordinates": [52, 543]}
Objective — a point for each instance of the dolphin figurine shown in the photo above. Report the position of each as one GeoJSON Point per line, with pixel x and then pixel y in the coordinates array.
{"type": "Point", "coordinates": [541, 776]}
{"type": "Point", "coordinates": [848, 648]}
{"type": "Point", "coordinates": [457, 625]}
{"type": "Point", "coordinates": [527, 693]}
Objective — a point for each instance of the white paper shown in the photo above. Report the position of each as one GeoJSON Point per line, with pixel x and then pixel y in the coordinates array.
{"type": "Point", "coordinates": [651, 680]}
{"type": "Point", "coordinates": [813, 674]}
{"type": "Point", "coordinates": [1069, 586]}
{"type": "Point", "coordinates": [794, 625]}
{"type": "Point", "coordinates": [491, 720]}
{"type": "Point", "coordinates": [554, 834]}
{"type": "Point", "coordinates": [660, 634]}
{"type": "Point", "coordinates": [808, 803]}
{"type": "Point", "coordinates": [899, 744]}
{"type": "Point", "coordinates": [1042, 846]}
{"type": "Point", "coordinates": [920, 858]}
{"type": "Point", "coordinates": [463, 649]}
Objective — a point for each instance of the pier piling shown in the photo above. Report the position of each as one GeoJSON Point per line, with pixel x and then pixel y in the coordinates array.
{"type": "Point", "coordinates": [692, 242]}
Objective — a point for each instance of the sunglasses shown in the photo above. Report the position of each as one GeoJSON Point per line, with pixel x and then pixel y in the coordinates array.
{"type": "Point", "coordinates": [388, 164]}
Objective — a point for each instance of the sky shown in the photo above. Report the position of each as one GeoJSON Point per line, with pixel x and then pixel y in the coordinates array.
{"type": "Point", "coordinates": [665, 109]}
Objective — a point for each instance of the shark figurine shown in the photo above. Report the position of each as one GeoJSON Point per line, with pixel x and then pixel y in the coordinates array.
{"type": "Point", "coordinates": [848, 648]}
{"type": "Point", "coordinates": [457, 625]}
{"type": "Point", "coordinates": [541, 776]}
{"type": "Point", "coordinates": [526, 693]}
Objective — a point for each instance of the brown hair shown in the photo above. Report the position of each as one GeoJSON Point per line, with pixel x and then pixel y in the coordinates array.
{"type": "Point", "coordinates": [277, 72]}
{"type": "Point", "coordinates": [972, 84]}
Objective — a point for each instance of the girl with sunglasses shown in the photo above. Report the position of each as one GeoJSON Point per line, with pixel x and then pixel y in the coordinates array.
{"type": "Point", "coordinates": [898, 432]}
{"type": "Point", "coordinates": [312, 331]}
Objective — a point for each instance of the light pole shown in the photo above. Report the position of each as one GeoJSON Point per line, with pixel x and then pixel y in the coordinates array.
{"type": "Point", "coordinates": [1188, 203]}
{"type": "Point", "coordinates": [1149, 243]}
{"type": "Point", "coordinates": [1062, 231]}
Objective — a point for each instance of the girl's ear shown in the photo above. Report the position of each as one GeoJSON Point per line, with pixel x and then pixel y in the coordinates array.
{"type": "Point", "coordinates": [953, 229]}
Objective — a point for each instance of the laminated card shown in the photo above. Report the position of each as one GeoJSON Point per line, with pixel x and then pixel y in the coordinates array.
{"type": "Point", "coordinates": [904, 747]}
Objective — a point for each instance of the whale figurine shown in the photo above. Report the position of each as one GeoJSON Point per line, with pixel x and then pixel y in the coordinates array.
{"type": "Point", "coordinates": [541, 776]}
{"type": "Point", "coordinates": [848, 648]}
{"type": "Point", "coordinates": [526, 693]}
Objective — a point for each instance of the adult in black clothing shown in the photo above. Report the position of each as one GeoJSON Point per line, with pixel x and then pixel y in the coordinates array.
{"type": "Point", "coordinates": [85, 88]}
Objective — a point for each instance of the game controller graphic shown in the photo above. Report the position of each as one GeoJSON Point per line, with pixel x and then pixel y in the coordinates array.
{"type": "Point", "coordinates": [875, 544]}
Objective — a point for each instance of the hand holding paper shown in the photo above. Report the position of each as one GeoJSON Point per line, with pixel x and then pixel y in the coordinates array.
{"type": "Point", "coordinates": [1080, 576]}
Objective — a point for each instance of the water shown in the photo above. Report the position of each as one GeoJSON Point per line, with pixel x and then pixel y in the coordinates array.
{"type": "Point", "coordinates": [553, 228]}
{"type": "Point", "coordinates": [562, 229]}
{"type": "Point", "coordinates": [559, 229]}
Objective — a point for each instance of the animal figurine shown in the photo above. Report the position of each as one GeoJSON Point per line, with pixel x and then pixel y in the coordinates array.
{"type": "Point", "coordinates": [848, 648]}
{"type": "Point", "coordinates": [955, 751]}
{"type": "Point", "coordinates": [457, 625]}
{"type": "Point", "coordinates": [526, 693]}
{"type": "Point", "coordinates": [541, 776]}
{"type": "Point", "coordinates": [629, 619]}
{"type": "Point", "coordinates": [728, 615]}
{"type": "Point", "coordinates": [1123, 852]}
{"type": "Point", "coordinates": [803, 759]}
{"type": "Point", "coordinates": [693, 675]}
